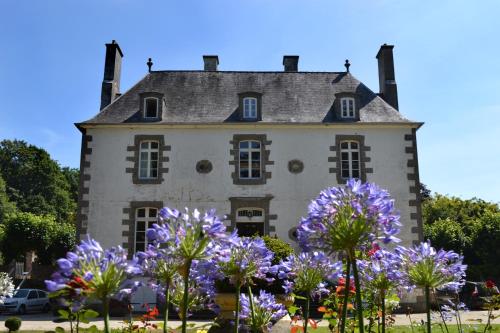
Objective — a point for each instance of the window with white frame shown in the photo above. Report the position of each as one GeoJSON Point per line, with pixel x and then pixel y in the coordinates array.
{"type": "Point", "coordinates": [250, 159]}
{"type": "Point", "coordinates": [249, 108]}
{"type": "Point", "coordinates": [151, 107]}
{"type": "Point", "coordinates": [349, 154]}
{"type": "Point", "coordinates": [148, 160]}
{"type": "Point", "coordinates": [144, 219]}
{"type": "Point", "coordinates": [347, 105]}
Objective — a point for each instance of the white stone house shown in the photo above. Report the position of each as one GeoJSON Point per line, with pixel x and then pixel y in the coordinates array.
{"type": "Point", "coordinates": [257, 146]}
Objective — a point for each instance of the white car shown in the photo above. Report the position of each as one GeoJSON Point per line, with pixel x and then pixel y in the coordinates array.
{"type": "Point", "coordinates": [25, 300]}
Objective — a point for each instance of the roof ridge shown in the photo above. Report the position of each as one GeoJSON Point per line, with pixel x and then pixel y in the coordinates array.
{"type": "Point", "coordinates": [218, 71]}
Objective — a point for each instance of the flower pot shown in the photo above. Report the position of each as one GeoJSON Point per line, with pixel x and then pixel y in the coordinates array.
{"type": "Point", "coordinates": [227, 304]}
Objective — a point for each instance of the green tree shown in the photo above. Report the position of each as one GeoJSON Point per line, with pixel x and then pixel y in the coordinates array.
{"type": "Point", "coordinates": [35, 182]}
{"type": "Point", "coordinates": [6, 207]}
{"type": "Point", "coordinates": [72, 176]}
{"type": "Point", "coordinates": [24, 232]}
{"type": "Point", "coordinates": [470, 227]}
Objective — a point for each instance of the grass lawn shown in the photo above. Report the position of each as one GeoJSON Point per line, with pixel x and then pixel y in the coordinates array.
{"type": "Point", "coordinates": [396, 329]}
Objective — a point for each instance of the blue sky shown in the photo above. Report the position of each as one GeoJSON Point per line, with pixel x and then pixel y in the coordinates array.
{"type": "Point", "coordinates": [446, 57]}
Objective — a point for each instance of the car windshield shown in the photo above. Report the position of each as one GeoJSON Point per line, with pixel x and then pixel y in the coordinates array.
{"type": "Point", "coordinates": [21, 293]}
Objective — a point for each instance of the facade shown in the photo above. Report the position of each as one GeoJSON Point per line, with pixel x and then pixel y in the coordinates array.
{"type": "Point", "coordinates": [257, 146]}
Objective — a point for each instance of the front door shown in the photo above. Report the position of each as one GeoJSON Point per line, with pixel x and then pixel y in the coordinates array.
{"type": "Point", "coordinates": [250, 222]}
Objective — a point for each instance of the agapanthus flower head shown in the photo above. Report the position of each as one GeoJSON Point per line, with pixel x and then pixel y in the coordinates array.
{"type": "Point", "coordinates": [383, 270]}
{"type": "Point", "coordinates": [6, 286]}
{"type": "Point", "coordinates": [349, 217]}
{"type": "Point", "coordinates": [191, 235]}
{"type": "Point", "coordinates": [246, 258]}
{"type": "Point", "coordinates": [426, 267]}
{"type": "Point", "coordinates": [91, 271]}
{"type": "Point", "coordinates": [308, 272]}
{"type": "Point", "coordinates": [266, 311]}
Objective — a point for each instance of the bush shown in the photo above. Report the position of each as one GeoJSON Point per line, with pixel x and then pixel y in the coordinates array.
{"type": "Point", "coordinates": [13, 324]}
{"type": "Point", "coordinates": [280, 248]}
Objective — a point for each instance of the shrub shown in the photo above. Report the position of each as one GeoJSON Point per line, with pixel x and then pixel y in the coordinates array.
{"type": "Point", "coordinates": [279, 247]}
{"type": "Point", "coordinates": [13, 324]}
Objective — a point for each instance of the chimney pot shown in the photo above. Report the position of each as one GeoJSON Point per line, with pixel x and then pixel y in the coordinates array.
{"type": "Point", "coordinates": [291, 63]}
{"type": "Point", "coordinates": [210, 62]}
{"type": "Point", "coordinates": [386, 76]}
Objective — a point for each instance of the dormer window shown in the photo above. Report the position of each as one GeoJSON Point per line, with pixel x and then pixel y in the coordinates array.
{"type": "Point", "coordinates": [348, 107]}
{"type": "Point", "coordinates": [249, 108]}
{"type": "Point", "coordinates": [151, 106]}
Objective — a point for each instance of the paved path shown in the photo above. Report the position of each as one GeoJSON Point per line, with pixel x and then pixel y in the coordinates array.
{"type": "Point", "coordinates": [44, 322]}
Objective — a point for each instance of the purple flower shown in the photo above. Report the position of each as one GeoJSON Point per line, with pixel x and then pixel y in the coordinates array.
{"type": "Point", "coordinates": [266, 311]}
{"type": "Point", "coordinates": [245, 258]}
{"type": "Point", "coordinates": [426, 267]}
{"type": "Point", "coordinates": [349, 217]}
{"type": "Point", "coordinates": [383, 270]}
{"type": "Point", "coordinates": [307, 272]}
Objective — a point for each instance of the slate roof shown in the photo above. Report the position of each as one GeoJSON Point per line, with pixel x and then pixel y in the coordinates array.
{"type": "Point", "coordinates": [212, 97]}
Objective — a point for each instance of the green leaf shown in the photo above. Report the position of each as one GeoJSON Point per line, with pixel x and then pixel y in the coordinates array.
{"type": "Point", "coordinates": [63, 314]}
{"type": "Point", "coordinates": [92, 329]}
{"type": "Point", "coordinates": [292, 309]}
{"type": "Point", "coordinates": [59, 329]}
{"type": "Point", "coordinates": [89, 313]}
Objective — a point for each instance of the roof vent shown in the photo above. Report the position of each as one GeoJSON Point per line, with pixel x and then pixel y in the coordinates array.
{"type": "Point", "coordinates": [211, 62]}
{"type": "Point", "coordinates": [291, 63]}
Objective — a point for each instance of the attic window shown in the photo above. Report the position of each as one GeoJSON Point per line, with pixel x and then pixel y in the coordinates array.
{"type": "Point", "coordinates": [347, 105]}
{"type": "Point", "coordinates": [249, 108]}
{"type": "Point", "coordinates": [151, 107]}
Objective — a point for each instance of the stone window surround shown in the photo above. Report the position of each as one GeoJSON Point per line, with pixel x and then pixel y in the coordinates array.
{"type": "Point", "coordinates": [129, 222]}
{"type": "Point", "coordinates": [237, 138]}
{"type": "Point", "coordinates": [159, 97]}
{"type": "Point", "coordinates": [162, 148]}
{"type": "Point", "coordinates": [252, 202]}
{"type": "Point", "coordinates": [363, 159]}
{"type": "Point", "coordinates": [253, 94]}
{"type": "Point", "coordinates": [413, 174]}
{"type": "Point", "coordinates": [338, 108]}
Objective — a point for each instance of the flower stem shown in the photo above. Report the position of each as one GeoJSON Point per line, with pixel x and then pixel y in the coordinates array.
{"type": "Point", "coordinates": [105, 306]}
{"type": "Point", "coordinates": [441, 313]}
{"type": "Point", "coordinates": [306, 312]}
{"type": "Point", "coordinates": [185, 296]}
{"type": "Point", "coordinates": [346, 296]}
{"type": "Point", "coordinates": [382, 296]}
{"type": "Point", "coordinates": [428, 308]}
{"type": "Point", "coordinates": [237, 314]}
{"type": "Point", "coordinates": [167, 303]}
{"type": "Point", "coordinates": [250, 297]}
{"type": "Point", "coordinates": [359, 304]}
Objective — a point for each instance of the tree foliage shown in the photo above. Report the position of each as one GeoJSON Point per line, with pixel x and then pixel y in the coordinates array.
{"type": "Point", "coordinates": [6, 207]}
{"type": "Point", "coordinates": [24, 232]}
{"type": "Point", "coordinates": [35, 182]}
{"type": "Point", "coordinates": [470, 227]}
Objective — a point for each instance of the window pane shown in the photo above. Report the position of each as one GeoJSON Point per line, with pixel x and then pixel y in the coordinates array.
{"type": "Point", "coordinates": [152, 212]}
{"type": "Point", "coordinates": [151, 105]}
{"type": "Point", "coordinates": [355, 174]}
{"type": "Point", "coordinates": [154, 145]}
{"type": "Point", "coordinates": [256, 156]}
{"type": "Point", "coordinates": [139, 246]}
{"type": "Point", "coordinates": [243, 156]}
{"type": "Point", "coordinates": [354, 145]}
{"type": "Point", "coordinates": [243, 144]}
{"type": "Point", "coordinates": [145, 145]}
{"type": "Point", "coordinates": [141, 212]}
{"type": "Point", "coordinates": [256, 144]}
{"type": "Point", "coordinates": [154, 164]}
{"type": "Point", "coordinates": [355, 165]}
{"type": "Point", "coordinates": [154, 173]}
{"type": "Point", "coordinates": [243, 173]}
{"type": "Point", "coordinates": [150, 224]}
{"type": "Point", "coordinates": [140, 236]}
{"type": "Point", "coordinates": [144, 156]}
{"type": "Point", "coordinates": [344, 145]}
{"type": "Point", "coordinates": [255, 173]}
{"type": "Point", "coordinates": [345, 173]}
{"type": "Point", "coordinates": [355, 156]}
{"type": "Point", "coordinates": [345, 156]}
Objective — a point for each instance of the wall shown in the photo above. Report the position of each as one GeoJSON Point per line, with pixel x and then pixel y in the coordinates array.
{"type": "Point", "coordinates": [111, 188]}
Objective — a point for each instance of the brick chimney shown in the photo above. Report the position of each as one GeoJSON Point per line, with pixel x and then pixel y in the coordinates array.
{"type": "Point", "coordinates": [291, 63]}
{"type": "Point", "coordinates": [386, 77]}
{"type": "Point", "coordinates": [112, 71]}
{"type": "Point", "coordinates": [210, 62]}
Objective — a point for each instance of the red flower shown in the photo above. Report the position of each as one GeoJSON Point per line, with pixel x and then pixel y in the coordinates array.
{"type": "Point", "coordinates": [375, 248]}
{"type": "Point", "coordinates": [490, 284]}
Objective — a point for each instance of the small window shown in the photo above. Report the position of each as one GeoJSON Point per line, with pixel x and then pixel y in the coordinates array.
{"type": "Point", "coordinates": [347, 105]}
{"type": "Point", "coordinates": [32, 294]}
{"type": "Point", "coordinates": [148, 160]}
{"type": "Point", "coordinates": [249, 108]}
{"type": "Point", "coordinates": [151, 107]}
{"type": "Point", "coordinates": [250, 160]}
{"type": "Point", "coordinates": [144, 219]}
{"type": "Point", "coordinates": [349, 153]}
